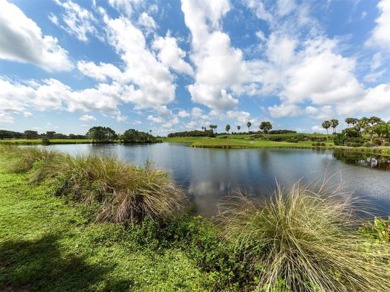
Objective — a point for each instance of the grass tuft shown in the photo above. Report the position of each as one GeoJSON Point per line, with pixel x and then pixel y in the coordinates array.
{"type": "Point", "coordinates": [120, 192]}
{"type": "Point", "coordinates": [305, 241]}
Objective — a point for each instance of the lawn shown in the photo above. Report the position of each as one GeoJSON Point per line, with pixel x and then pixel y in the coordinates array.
{"type": "Point", "coordinates": [48, 244]}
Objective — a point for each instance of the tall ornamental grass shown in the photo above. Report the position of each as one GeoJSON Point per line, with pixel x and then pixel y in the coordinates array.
{"type": "Point", "coordinates": [119, 191]}
{"type": "Point", "coordinates": [305, 240]}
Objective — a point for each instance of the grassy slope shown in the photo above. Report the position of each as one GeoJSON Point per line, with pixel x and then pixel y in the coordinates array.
{"type": "Point", "coordinates": [48, 245]}
{"type": "Point", "coordinates": [244, 141]}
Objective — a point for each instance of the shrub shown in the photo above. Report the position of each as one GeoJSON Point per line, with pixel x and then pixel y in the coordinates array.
{"type": "Point", "coordinates": [303, 241]}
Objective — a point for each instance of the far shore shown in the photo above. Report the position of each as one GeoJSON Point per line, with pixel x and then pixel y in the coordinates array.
{"type": "Point", "coordinates": [243, 141]}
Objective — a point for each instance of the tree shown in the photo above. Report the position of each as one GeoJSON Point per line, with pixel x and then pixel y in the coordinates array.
{"type": "Point", "coordinates": [29, 134]}
{"type": "Point", "coordinates": [362, 124]}
{"type": "Point", "coordinates": [227, 128]}
{"type": "Point", "coordinates": [248, 124]}
{"type": "Point", "coordinates": [334, 123]}
{"type": "Point", "coordinates": [213, 127]}
{"type": "Point", "coordinates": [134, 136]}
{"type": "Point", "coordinates": [238, 128]}
{"type": "Point", "coordinates": [266, 126]}
{"type": "Point", "coordinates": [101, 134]}
{"type": "Point", "coordinates": [374, 120]}
{"type": "Point", "coordinates": [349, 121]}
{"type": "Point", "coordinates": [326, 125]}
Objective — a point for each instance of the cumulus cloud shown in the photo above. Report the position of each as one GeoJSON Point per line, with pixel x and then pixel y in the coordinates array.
{"type": "Point", "coordinates": [380, 36]}
{"type": "Point", "coordinates": [171, 55]}
{"type": "Point", "coordinates": [22, 40]}
{"type": "Point", "coordinates": [76, 20]}
{"type": "Point", "coordinates": [100, 72]}
{"type": "Point", "coordinates": [87, 118]}
{"type": "Point", "coordinates": [149, 82]}
{"type": "Point", "coordinates": [211, 49]}
{"type": "Point", "coordinates": [241, 117]}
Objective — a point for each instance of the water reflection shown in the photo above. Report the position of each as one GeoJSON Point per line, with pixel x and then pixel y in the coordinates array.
{"type": "Point", "coordinates": [365, 160]}
{"type": "Point", "coordinates": [211, 174]}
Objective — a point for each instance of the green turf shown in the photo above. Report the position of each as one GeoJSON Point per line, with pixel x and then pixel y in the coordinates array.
{"type": "Point", "coordinates": [47, 244]}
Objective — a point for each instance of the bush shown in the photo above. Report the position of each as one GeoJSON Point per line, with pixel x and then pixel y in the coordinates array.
{"type": "Point", "coordinates": [303, 241]}
{"type": "Point", "coordinates": [354, 142]}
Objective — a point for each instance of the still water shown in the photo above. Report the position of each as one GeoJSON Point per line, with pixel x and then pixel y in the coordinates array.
{"type": "Point", "coordinates": [211, 174]}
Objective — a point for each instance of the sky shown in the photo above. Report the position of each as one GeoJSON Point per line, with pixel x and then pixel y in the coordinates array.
{"type": "Point", "coordinates": [173, 65]}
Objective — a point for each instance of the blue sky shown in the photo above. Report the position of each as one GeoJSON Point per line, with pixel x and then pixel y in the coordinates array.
{"type": "Point", "coordinates": [181, 65]}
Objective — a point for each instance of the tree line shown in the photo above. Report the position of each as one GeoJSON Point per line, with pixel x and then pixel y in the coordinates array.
{"type": "Point", "coordinates": [30, 134]}
{"type": "Point", "coordinates": [358, 129]}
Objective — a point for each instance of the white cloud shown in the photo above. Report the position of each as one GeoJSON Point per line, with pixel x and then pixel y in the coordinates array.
{"type": "Point", "coordinates": [125, 6]}
{"type": "Point", "coordinates": [87, 118]}
{"type": "Point", "coordinates": [219, 67]}
{"type": "Point", "coordinates": [241, 117]}
{"type": "Point", "coordinates": [171, 55]}
{"type": "Point", "coordinates": [285, 7]}
{"type": "Point", "coordinates": [22, 40]}
{"type": "Point", "coordinates": [164, 123]}
{"type": "Point", "coordinates": [149, 84]}
{"type": "Point", "coordinates": [380, 36]}
{"type": "Point", "coordinates": [285, 110]}
{"type": "Point", "coordinates": [183, 114]}
{"type": "Point", "coordinates": [376, 100]}
{"type": "Point", "coordinates": [100, 72]}
{"type": "Point", "coordinates": [78, 21]}
{"type": "Point", "coordinates": [146, 21]}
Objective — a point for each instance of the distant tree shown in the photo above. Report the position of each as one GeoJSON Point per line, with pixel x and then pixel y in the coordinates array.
{"type": "Point", "coordinates": [29, 134]}
{"type": "Point", "coordinates": [349, 121]}
{"type": "Point", "coordinates": [334, 123]}
{"type": "Point", "coordinates": [374, 120]}
{"type": "Point", "coordinates": [326, 125]}
{"type": "Point", "coordinates": [101, 134]}
{"type": "Point", "coordinates": [362, 124]}
{"type": "Point", "coordinates": [265, 126]}
{"type": "Point", "coordinates": [134, 136]}
{"type": "Point", "coordinates": [248, 124]}
{"type": "Point", "coordinates": [50, 134]}
{"type": "Point", "coordinates": [227, 128]}
{"type": "Point", "coordinates": [238, 128]}
{"type": "Point", "coordinates": [213, 127]}
{"type": "Point", "coordinates": [354, 121]}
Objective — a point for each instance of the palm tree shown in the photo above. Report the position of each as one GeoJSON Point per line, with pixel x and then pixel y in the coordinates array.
{"type": "Point", "coordinates": [238, 128]}
{"type": "Point", "coordinates": [326, 125]}
{"type": "Point", "coordinates": [374, 120]}
{"type": "Point", "coordinates": [349, 121]}
{"type": "Point", "coordinates": [227, 128]}
{"type": "Point", "coordinates": [265, 126]}
{"type": "Point", "coordinates": [248, 124]}
{"type": "Point", "coordinates": [334, 123]}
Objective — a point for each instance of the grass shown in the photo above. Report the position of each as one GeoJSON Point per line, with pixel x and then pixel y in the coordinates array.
{"type": "Point", "coordinates": [248, 141]}
{"type": "Point", "coordinates": [306, 240]}
{"type": "Point", "coordinates": [39, 141]}
{"type": "Point", "coordinates": [303, 239]}
{"type": "Point", "coordinates": [49, 244]}
{"type": "Point", "coordinates": [118, 191]}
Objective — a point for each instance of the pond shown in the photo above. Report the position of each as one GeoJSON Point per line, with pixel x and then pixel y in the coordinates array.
{"type": "Point", "coordinates": [211, 174]}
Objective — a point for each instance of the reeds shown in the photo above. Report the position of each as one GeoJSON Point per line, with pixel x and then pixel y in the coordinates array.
{"type": "Point", "coordinates": [305, 240]}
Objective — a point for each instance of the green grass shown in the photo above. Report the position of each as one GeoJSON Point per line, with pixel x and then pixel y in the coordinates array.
{"type": "Point", "coordinates": [39, 141]}
{"type": "Point", "coordinates": [306, 240]}
{"type": "Point", "coordinates": [247, 141]}
{"type": "Point", "coordinates": [300, 240]}
{"type": "Point", "coordinates": [48, 244]}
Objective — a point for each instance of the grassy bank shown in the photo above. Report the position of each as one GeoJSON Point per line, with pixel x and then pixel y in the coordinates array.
{"type": "Point", "coordinates": [249, 141]}
{"type": "Point", "coordinates": [40, 141]}
{"type": "Point", "coordinates": [95, 224]}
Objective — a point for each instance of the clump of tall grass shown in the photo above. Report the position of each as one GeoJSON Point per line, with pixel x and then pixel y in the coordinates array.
{"type": "Point", "coordinates": [305, 240]}
{"type": "Point", "coordinates": [120, 192]}
{"type": "Point", "coordinates": [126, 193]}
